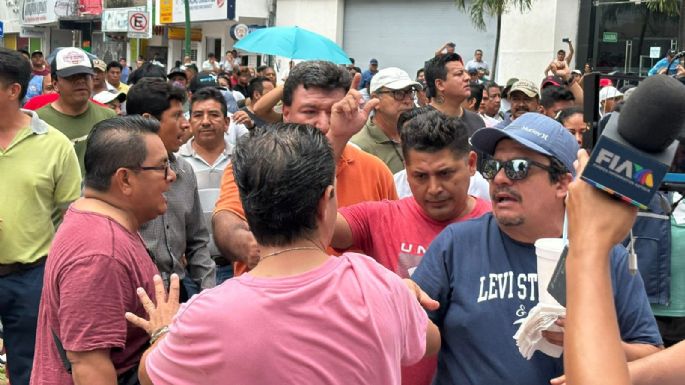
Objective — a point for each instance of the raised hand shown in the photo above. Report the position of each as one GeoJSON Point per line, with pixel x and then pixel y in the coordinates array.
{"type": "Point", "coordinates": [163, 312]}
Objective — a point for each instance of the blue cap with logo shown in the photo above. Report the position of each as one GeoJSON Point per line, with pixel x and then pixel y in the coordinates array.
{"type": "Point", "coordinates": [534, 131]}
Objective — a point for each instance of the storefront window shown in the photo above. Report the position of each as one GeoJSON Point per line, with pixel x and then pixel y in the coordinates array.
{"type": "Point", "coordinates": [626, 34]}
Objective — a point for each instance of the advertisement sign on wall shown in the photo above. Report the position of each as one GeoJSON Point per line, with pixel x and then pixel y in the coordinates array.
{"type": "Point", "coordinates": [116, 19]}
{"type": "Point", "coordinates": [172, 11]}
{"type": "Point", "coordinates": [90, 7]}
{"type": "Point", "coordinates": [40, 11]}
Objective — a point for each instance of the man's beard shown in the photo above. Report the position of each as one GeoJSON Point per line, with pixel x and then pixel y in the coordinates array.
{"type": "Point", "coordinates": [510, 222]}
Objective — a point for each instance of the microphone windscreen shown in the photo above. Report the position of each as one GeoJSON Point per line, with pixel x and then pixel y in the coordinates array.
{"type": "Point", "coordinates": [654, 115]}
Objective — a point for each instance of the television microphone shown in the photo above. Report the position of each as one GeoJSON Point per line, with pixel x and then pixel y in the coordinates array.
{"type": "Point", "coordinates": [634, 153]}
{"type": "Point", "coordinates": [636, 148]}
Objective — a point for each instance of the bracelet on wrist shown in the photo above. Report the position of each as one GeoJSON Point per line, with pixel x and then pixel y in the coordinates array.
{"type": "Point", "coordinates": [158, 333]}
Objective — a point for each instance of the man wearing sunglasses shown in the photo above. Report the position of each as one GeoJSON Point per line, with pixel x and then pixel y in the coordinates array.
{"type": "Point", "coordinates": [396, 92]}
{"type": "Point", "coordinates": [484, 273]}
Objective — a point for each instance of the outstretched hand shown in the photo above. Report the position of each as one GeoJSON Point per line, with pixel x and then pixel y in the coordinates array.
{"type": "Point", "coordinates": [163, 312]}
{"type": "Point", "coordinates": [426, 301]}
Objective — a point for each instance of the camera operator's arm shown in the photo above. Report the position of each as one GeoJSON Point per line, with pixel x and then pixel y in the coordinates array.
{"type": "Point", "coordinates": [593, 353]}
{"type": "Point", "coordinates": [663, 368]}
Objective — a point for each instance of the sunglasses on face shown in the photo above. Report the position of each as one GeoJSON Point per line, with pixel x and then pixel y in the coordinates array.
{"type": "Point", "coordinates": [514, 169]}
{"type": "Point", "coordinates": [399, 95]}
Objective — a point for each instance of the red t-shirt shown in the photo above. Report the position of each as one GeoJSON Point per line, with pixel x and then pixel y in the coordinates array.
{"type": "Point", "coordinates": [93, 269]}
{"type": "Point", "coordinates": [397, 234]}
{"type": "Point", "coordinates": [39, 101]}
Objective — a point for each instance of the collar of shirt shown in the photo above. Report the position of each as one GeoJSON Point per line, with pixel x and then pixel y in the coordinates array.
{"type": "Point", "coordinates": [187, 150]}
{"type": "Point", "coordinates": [37, 125]}
{"type": "Point", "coordinates": [346, 158]}
{"type": "Point", "coordinates": [376, 133]}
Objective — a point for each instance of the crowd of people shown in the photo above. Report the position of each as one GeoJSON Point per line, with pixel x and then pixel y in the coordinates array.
{"type": "Point", "coordinates": [211, 224]}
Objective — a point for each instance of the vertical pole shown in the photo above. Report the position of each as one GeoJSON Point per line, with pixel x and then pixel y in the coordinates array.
{"type": "Point", "coordinates": [187, 13]}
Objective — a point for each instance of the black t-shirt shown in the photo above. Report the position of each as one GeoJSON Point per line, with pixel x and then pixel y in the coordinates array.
{"type": "Point", "coordinates": [472, 121]}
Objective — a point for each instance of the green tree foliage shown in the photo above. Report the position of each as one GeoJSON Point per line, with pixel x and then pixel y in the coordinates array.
{"type": "Point", "coordinates": [479, 9]}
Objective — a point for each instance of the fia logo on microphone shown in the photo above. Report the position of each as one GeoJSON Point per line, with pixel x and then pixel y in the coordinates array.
{"type": "Point", "coordinates": [630, 170]}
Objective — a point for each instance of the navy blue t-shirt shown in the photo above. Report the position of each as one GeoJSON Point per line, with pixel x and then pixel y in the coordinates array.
{"type": "Point", "coordinates": [486, 284]}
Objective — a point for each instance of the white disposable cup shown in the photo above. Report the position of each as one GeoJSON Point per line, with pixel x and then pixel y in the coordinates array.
{"type": "Point", "coordinates": [548, 251]}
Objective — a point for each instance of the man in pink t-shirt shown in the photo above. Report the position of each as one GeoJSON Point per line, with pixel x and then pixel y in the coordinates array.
{"type": "Point", "coordinates": [98, 259]}
{"type": "Point", "coordinates": [439, 164]}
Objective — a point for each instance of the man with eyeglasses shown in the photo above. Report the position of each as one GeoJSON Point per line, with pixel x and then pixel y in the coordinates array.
{"type": "Point", "coordinates": [73, 113]}
{"type": "Point", "coordinates": [484, 274]}
{"type": "Point", "coordinates": [396, 93]}
{"type": "Point", "coordinates": [178, 239]}
{"type": "Point", "coordinates": [98, 258]}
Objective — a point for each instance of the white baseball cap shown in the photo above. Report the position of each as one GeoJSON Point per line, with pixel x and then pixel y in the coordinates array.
{"type": "Point", "coordinates": [609, 92]}
{"type": "Point", "coordinates": [392, 78]}
{"type": "Point", "coordinates": [71, 61]}
{"type": "Point", "coordinates": [105, 97]}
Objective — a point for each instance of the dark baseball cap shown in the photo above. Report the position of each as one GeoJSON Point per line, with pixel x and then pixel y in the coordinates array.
{"type": "Point", "coordinates": [177, 71]}
{"type": "Point", "coordinates": [202, 80]}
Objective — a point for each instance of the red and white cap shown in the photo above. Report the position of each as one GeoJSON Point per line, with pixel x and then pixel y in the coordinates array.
{"type": "Point", "coordinates": [70, 61]}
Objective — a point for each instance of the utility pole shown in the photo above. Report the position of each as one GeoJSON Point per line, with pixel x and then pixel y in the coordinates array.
{"type": "Point", "coordinates": [186, 3]}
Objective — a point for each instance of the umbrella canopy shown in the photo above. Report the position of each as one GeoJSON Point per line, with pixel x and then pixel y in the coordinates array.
{"type": "Point", "coordinates": [293, 43]}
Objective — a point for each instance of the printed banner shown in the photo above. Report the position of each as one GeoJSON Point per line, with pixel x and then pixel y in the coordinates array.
{"type": "Point", "coordinates": [41, 11]}
{"type": "Point", "coordinates": [172, 11]}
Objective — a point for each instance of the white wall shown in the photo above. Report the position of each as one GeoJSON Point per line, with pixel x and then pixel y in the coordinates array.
{"type": "Point", "coordinates": [251, 8]}
{"type": "Point", "coordinates": [406, 33]}
{"type": "Point", "coordinates": [529, 41]}
{"type": "Point", "coordinates": [10, 14]}
{"type": "Point", "coordinates": [216, 30]}
{"type": "Point", "coordinates": [321, 16]}
{"type": "Point", "coordinates": [324, 17]}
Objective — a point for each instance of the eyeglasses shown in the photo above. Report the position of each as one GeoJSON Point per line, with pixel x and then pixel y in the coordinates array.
{"type": "Point", "coordinates": [164, 168]}
{"type": "Point", "coordinates": [514, 169]}
{"type": "Point", "coordinates": [399, 95]}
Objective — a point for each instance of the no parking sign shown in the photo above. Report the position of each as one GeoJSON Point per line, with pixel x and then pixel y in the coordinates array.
{"type": "Point", "coordinates": [139, 25]}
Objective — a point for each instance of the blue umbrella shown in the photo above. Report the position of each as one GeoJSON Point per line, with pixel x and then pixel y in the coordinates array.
{"type": "Point", "coordinates": [293, 43]}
